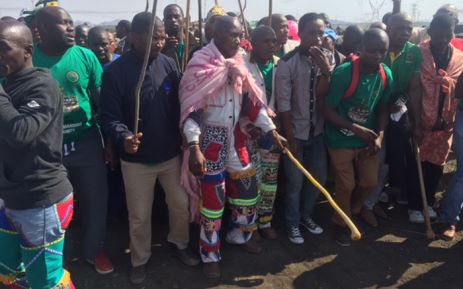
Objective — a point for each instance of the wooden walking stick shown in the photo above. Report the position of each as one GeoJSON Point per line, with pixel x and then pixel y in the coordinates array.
{"type": "Point", "coordinates": [186, 49]}
{"type": "Point", "coordinates": [200, 23]}
{"type": "Point", "coordinates": [246, 32]}
{"type": "Point", "coordinates": [429, 232]}
{"type": "Point", "coordinates": [141, 77]}
{"type": "Point", "coordinates": [354, 232]}
{"type": "Point", "coordinates": [270, 12]}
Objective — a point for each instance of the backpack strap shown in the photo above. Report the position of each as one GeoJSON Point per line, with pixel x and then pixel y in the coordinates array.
{"type": "Point", "coordinates": [383, 75]}
{"type": "Point", "coordinates": [355, 77]}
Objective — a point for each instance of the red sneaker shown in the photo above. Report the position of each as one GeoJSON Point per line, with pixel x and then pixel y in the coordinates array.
{"type": "Point", "coordinates": [102, 263]}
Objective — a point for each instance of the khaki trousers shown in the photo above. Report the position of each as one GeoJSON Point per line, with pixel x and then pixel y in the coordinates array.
{"type": "Point", "coordinates": [139, 180]}
{"type": "Point", "coordinates": [356, 175]}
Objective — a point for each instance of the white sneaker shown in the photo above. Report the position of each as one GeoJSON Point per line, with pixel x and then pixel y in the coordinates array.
{"type": "Point", "coordinates": [432, 213]}
{"type": "Point", "coordinates": [311, 226]}
{"type": "Point", "coordinates": [415, 216]}
{"type": "Point", "coordinates": [295, 235]}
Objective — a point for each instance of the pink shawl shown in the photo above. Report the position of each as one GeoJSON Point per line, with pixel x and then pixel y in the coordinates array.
{"type": "Point", "coordinates": [436, 145]}
{"type": "Point", "coordinates": [206, 75]}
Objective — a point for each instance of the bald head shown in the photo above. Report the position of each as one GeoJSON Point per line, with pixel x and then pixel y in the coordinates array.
{"type": "Point", "coordinates": [264, 42]}
{"type": "Point", "coordinates": [352, 40]}
{"type": "Point", "coordinates": [7, 18]}
{"type": "Point", "coordinates": [399, 30]}
{"type": "Point", "coordinates": [375, 34]}
{"type": "Point", "coordinates": [379, 25]}
{"type": "Point", "coordinates": [16, 31]}
{"type": "Point", "coordinates": [16, 48]}
{"type": "Point", "coordinates": [279, 25]}
{"type": "Point", "coordinates": [261, 32]}
{"type": "Point", "coordinates": [50, 14]}
{"type": "Point", "coordinates": [56, 29]}
{"type": "Point", "coordinates": [375, 47]}
{"type": "Point", "coordinates": [225, 23]}
{"type": "Point", "coordinates": [227, 35]}
{"type": "Point", "coordinates": [448, 9]}
{"type": "Point", "coordinates": [400, 17]}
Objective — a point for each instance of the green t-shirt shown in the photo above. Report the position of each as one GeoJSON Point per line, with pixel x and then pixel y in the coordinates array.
{"type": "Point", "coordinates": [404, 66]}
{"type": "Point", "coordinates": [77, 72]}
{"type": "Point", "coordinates": [359, 108]}
{"type": "Point", "coordinates": [267, 74]}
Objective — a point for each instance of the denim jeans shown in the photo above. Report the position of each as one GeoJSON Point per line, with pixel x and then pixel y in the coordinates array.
{"type": "Point", "coordinates": [31, 242]}
{"type": "Point", "coordinates": [453, 198]}
{"type": "Point", "coordinates": [300, 194]}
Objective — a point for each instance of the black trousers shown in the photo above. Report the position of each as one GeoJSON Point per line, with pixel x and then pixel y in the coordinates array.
{"type": "Point", "coordinates": [403, 169]}
{"type": "Point", "coordinates": [399, 153]}
{"type": "Point", "coordinates": [432, 174]}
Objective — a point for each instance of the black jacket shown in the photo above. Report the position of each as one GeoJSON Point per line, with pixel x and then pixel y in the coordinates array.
{"type": "Point", "coordinates": [159, 107]}
{"type": "Point", "coordinates": [31, 136]}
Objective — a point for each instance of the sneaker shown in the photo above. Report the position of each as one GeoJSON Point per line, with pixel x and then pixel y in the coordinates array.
{"type": "Point", "coordinates": [211, 270]}
{"type": "Point", "coordinates": [102, 263]}
{"type": "Point", "coordinates": [415, 216]}
{"type": "Point", "coordinates": [137, 275]}
{"type": "Point", "coordinates": [342, 236]}
{"type": "Point", "coordinates": [311, 226]}
{"type": "Point", "coordinates": [295, 235]}
{"type": "Point", "coordinates": [369, 217]}
{"type": "Point", "coordinates": [432, 213]}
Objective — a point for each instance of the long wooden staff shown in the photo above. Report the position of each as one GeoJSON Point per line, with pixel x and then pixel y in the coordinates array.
{"type": "Point", "coordinates": [429, 232]}
{"type": "Point", "coordinates": [354, 232]}
{"type": "Point", "coordinates": [186, 48]}
{"type": "Point", "coordinates": [141, 77]}
{"type": "Point", "coordinates": [246, 32]}
{"type": "Point", "coordinates": [200, 23]}
{"type": "Point", "coordinates": [270, 12]}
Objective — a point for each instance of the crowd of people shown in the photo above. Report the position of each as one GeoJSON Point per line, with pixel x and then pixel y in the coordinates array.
{"type": "Point", "coordinates": [212, 126]}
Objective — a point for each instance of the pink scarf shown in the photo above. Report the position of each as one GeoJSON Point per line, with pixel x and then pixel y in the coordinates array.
{"type": "Point", "coordinates": [207, 73]}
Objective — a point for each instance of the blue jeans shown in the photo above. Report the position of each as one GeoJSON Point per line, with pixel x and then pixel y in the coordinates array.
{"type": "Point", "coordinates": [453, 198]}
{"type": "Point", "coordinates": [300, 194]}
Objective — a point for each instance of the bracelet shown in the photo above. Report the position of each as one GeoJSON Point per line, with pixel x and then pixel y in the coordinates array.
{"type": "Point", "coordinates": [193, 144]}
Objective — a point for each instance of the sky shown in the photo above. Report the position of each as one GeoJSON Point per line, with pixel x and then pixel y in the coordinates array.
{"type": "Point", "coordinates": [97, 11]}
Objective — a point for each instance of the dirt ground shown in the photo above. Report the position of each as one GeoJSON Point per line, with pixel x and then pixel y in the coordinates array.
{"type": "Point", "coordinates": [395, 255]}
